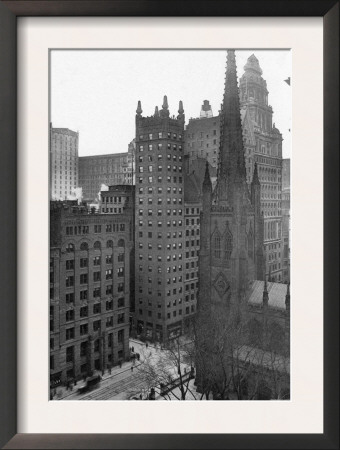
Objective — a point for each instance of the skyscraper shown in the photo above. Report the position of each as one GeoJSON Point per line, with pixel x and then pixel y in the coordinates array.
{"type": "Point", "coordinates": [263, 145]}
{"type": "Point", "coordinates": [63, 163]}
{"type": "Point", "coordinates": [159, 222]}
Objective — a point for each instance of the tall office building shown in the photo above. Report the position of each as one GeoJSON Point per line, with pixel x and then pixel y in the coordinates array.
{"type": "Point", "coordinates": [63, 163]}
{"type": "Point", "coordinates": [263, 145]}
{"type": "Point", "coordinates": [89, 290]}
{"type": "Point", "coordinates": [160, 226]}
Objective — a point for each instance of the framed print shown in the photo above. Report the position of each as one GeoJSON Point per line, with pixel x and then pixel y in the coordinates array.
{"type": "Point", "coordinates": [48, 46]}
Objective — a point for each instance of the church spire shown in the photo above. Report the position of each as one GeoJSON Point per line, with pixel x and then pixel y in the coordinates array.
{"type": "Point", "coordinates": [207, 180]}
{"type": "Point", "coordinates": [231, 158]}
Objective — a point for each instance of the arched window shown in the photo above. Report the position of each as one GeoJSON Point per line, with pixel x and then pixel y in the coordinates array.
{"type": "Point", "coordinates": [84, 246]}
{"type": "Point", "coordinates": [121, 243]}
{"type": "Point", "coordinates": [97, 245]}
{"type": "Point", "coordinates": [217, 245]}
{"type": "Point", "coordinates": [250, 238]}
{"type": "Point", "coordinates": [70, 248]}
{"type": "Point", "coordinates": [228, 245]}
{"type": "Point", "coordinates": [109, 244]}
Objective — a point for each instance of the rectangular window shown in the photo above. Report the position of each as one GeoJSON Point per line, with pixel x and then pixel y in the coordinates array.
{"type": "Point", "coordinates": [83, 262]}
{"type": "Point", "coordinates": [83, 295]}
{"type": "Point", "coordinates": [96, 276]}
{"type": "Point", "coordinates": [96, 325]}
{"type": "Point", "coordinates": [70, 264]}
{"type": "Point", "coordinates": [84, 329]}
{"type": "Point", "coordinates": [69, 354]}
{"type": "Point", "coordinates": [121, 302]}
{"type": "Point", "coordinates": [69, 281]}
{"type": "Point", "coordinates": [109, 274]}
{"type": "Point", "coordinates": [96, 292]}
{"type": "Point", "coordinates": [69, 333]}
{"type": "Point", "coordinates": [70, 315]}
{"type": "Point", "coordinates": [84, 311]}
{"type": "Point", "coordinates": [109, 305]}
{"type": "Point", "coordinates": [96, 261]}
{"type": "Point", "coordinates": [109, 322]}
{"type": "Point", "coordinates": [97, 228]}
{"type": "Point", "coordinates": [109, 289]}
{"type": "Point", "coordinates": [70, 297]}
{"type": "Point", "coordinates": [96, 308]}
{"type": "Point", "coordinates": [121, 336]}
{"type": "Point", "coordinates": [108, 259]}
{"type": "Point", "coordinates": [83, 278]}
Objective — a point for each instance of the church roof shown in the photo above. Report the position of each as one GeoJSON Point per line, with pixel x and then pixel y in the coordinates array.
{"type": "Point", "coordinates": [276, 292]}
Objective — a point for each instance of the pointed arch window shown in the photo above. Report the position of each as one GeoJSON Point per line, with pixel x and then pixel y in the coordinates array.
{"type": "Point", "coordinates": [217, 245]}
{"type": "Point", "coordinates": [228, 245]}
{"type": "Point", "coordinates": [250, 238]}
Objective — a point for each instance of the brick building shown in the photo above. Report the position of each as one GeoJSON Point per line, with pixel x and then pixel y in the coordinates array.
{"type": "Point", "coordinates": [111, 169]}
{"type": "Point", "coordinates": [89, 290]}
{"type": "Point", "coordinates": [63, 163]}
{"type": "Point", "coordinates": [160, 224]}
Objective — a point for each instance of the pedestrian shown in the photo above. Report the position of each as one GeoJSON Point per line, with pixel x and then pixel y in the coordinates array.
{"type": "Point", "coordinates": [147, 345]}
{"type": "Point", "coordinates": [120, 363]}
{"type": "Point", "coordinates": [140, 396]}
{"type": "Point", "coordinates": [131, 368]}
{"type": "Point", "coordinates": [67, 385]}
{"type": "Point", "coordinates": [133, 349]}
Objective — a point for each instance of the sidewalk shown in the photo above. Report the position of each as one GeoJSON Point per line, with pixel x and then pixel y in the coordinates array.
{"type": "Point", "coordinates": [62, 392]}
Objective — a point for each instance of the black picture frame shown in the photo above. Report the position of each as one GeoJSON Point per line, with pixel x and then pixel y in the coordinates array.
{"type": "Point", "coordinates": [9, 11]}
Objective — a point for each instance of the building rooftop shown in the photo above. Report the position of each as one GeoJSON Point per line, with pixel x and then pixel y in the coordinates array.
{"type": "Point", "coordinates": [276, 293]}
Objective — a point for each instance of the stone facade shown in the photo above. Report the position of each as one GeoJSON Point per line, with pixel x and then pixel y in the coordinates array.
{"type": "Point", "coordinates": [89, 290]}
{"type": "Point", "coordinates": [63, 163]}
{"type": "Point", "coordinates": [160, 226]}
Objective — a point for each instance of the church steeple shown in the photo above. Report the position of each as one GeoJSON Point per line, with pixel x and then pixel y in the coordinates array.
{"type": "Point", "coordinates": [231, 158]}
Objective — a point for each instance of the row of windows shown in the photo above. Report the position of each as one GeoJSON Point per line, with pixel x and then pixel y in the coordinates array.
{"type": "Point", "coordinates": [169, 235]}
{"type": "Point", "coordinates": [160, 179]}
{"type": "Point", "coordinates": [151, 147]}
{"type": "Point", "coordinates": [160, 212]}
{"type": "Point", "coordinates": [150, 223]}
{"type": "Point", "coordinates": [83, 295]}
{"type": "Point", "coordinates": [84, 278]}
{"type": "Point", "coordinates": [159, 190]}
{"type": "Point", "coordinates": [150, 158]}
{"type": "Point", "coordinates": [160, 201]}
{"type": "Point", "coordinates": [85, 229]}
{"type": "Point", "coordinates": [70, 248]}
{"type": "Point", "coordinates": [106, 199]}
{"type": "Point", "coordinates": [159, 168]}
{"type": "Point", "coordinates": [84, 262]}
{"type": "Point", "coordinates": [159, 246]}
{"type": "Point", "coordinates": [159, 135]}
{"type": "Point", "coordinates": [160, 258]}
{"type": "Point", "coordinates": [159, 269]}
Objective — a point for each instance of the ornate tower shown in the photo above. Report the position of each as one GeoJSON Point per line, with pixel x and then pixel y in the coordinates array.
{"type": "Point", "coordinates": [263, 145]}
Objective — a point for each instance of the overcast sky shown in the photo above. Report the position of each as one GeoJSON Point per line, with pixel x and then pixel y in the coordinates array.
{"type": "Point", "coordinates": [96, 92]}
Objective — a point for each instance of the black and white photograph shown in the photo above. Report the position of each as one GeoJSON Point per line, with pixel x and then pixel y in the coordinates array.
{"type": "Point", "coordinates": [169, 189]}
